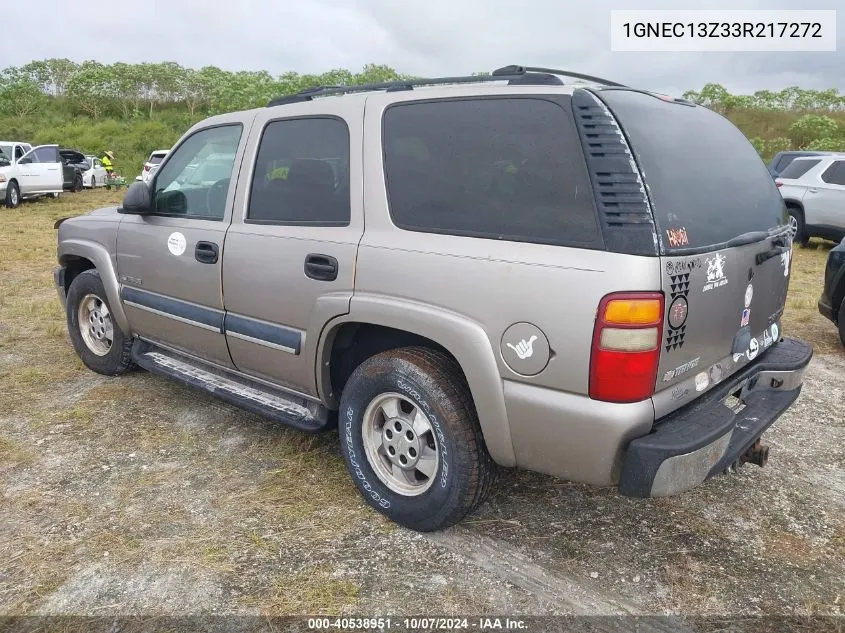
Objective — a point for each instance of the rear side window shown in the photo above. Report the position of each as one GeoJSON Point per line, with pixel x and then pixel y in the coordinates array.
{"type": "Point", "coordinates": [706, 182]}
{"type": "Point", "coordinates": [835, 174]}
{"type": "Point", "coordinates": [302, 174]}
{"type": "Point", "coordinates": [503, 168]}
{"type": "Point", "coordinates": [798, 168]}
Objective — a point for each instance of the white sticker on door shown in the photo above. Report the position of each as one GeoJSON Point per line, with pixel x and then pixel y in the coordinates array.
{"type": "Point", "coordinates": [749, 295]}
{"type": "Point", "coordinates": [753, 349]}
{"type": "Point", "coordinates": [715, 272]}
{"type": "Point", "coordinates": [176, 243]}
{"type": "Point", "coordinates": [784, 259]}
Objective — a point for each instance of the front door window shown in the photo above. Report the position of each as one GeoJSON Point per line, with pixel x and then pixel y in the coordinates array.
{"type": "Point", "coordinates": [195, 180]}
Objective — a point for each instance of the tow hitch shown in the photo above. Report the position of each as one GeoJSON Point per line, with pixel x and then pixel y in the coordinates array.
{"type": "Point", "coordinates": [757, 454]}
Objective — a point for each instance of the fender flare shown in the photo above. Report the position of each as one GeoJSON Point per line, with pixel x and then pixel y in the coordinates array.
{"type": "Point", "coordinates": [465, 339]}
{"type": "Point", "coordinates": [99, 256]}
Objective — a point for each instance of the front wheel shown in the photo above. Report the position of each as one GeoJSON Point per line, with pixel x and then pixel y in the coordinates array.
{"type": "Point", "coordinates": [93, 182]}
{"type": "Point", "coordinates": [97, 339]}
{"type": "Point", "coordinates": [411, 439]}
{"type": "Point", "coordinates": [77, 183]}
{"type": "Point", "coordinates": [13, 195]}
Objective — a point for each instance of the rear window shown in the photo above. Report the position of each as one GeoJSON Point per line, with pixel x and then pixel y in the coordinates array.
{"type": "Point", "coordinates": [798, 168]}
{"type": "Point", "coordinates": [706, 182]}
{"type": "Point", "coordinates": [501, 168]}
{"type": "Point", "coordinates": [155, 159]}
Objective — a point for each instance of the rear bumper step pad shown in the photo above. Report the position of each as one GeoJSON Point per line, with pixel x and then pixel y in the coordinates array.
{"type": "Point", "coordinates": [239, 391]}
{"type": "Point", "coordinates": [707, 436]}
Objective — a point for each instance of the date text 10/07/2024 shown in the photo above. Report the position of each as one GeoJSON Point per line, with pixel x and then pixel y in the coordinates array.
{"type": "Point", "coordinates": [417, 623]}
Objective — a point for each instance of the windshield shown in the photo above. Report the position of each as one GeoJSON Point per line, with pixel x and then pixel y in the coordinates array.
{"type": "Point", "coordinates": [706, 182]}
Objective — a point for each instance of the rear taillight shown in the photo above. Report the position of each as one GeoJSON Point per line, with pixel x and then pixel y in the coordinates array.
{"type": "Point", "coordinates": [778, 183]}
{"type": "Point", "coordinates": [146, 168]}
{"type": "Point", "coordinates": [626, 346]}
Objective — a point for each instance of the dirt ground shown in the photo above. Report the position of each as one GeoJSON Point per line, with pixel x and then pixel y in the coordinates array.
{"type": "Point", "coordinates": [137, 495]}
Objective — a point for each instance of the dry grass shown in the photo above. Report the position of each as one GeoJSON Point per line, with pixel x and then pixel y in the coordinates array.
{"type": "Point", "coordinates": [802, 318]}
{"type": "Point", "coordinates": [123, 468]}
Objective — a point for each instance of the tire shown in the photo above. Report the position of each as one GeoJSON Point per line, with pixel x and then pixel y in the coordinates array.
{"type": "Point", "coordinates": [86, 301]}
{"type": "Point", "coordinates": [407, 382]}
{"type": "Point", "coordinates": [93, 182]}
{"type": "Point", "coordinates": [13, 195]}
{"type": "Point", "coordinates": [77, 183]}
{"type": "Point", "coordinates": [796, 220]}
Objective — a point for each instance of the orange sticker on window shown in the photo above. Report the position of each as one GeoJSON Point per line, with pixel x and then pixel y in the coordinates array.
{"type": "Point", "coordinates": [677, 237]}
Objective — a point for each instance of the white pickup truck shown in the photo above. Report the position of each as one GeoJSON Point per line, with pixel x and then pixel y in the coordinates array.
{"type": "Point", "coordinates": [27, 172]}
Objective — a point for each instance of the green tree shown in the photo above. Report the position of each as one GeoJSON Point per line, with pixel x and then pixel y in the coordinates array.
{"type": "Point", "coordinates": [811, 127]}
{"type": "Point", "coordinates": [92, 88]}
{"type": "Point", "coordinates": [21, 98]}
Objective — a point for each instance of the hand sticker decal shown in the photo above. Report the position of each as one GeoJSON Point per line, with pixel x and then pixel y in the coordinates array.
{"type": "Point", "coordinates": [524, 349]}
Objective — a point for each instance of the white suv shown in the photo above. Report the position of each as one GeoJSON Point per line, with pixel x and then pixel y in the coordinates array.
{"type": "Point", "coordinates": [813, 188]}
{"type": "Point", "coordinates": [152, 164]}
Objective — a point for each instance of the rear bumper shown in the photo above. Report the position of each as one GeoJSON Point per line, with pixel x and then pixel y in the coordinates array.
{"type": "Point", "coordinates": [705, 437]}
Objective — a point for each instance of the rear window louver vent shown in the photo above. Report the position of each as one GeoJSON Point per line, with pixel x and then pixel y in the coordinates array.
{"type": "Point", "coordinates": [621, 198]}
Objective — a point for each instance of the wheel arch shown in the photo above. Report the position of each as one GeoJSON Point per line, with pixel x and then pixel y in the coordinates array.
{"type": "Point", "coordinates": [80, 255]}
{"type": "Point", "coordinates": [792, 202]}
{"type": "Point", "coordinates": [418, 324]}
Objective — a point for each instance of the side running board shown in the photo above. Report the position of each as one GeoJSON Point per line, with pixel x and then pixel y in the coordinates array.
{"type": "Point", "coordinates": [237, 390]}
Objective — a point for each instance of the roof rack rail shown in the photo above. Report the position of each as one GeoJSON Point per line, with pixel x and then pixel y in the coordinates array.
{"type": "Point", "coordinates": [521, 70]}
{"type": "Point", "coordinates": [514, 75]}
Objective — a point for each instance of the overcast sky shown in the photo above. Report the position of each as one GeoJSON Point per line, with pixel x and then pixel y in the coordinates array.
{"type": "Point", "coordinates": [431, 37]}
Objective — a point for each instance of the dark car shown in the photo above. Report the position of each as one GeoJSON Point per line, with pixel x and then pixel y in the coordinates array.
{"type": "Point", "coordinates": [74, 164]}
{"type": "Point", "coordinates": [832, 301]}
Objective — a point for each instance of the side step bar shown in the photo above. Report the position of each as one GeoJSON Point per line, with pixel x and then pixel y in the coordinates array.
{"type": "Point", "coordinates": [240, 391]}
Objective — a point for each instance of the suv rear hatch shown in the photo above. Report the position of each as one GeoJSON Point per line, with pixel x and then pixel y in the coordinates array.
{"type": "Point", "coordinates": [722, 237]}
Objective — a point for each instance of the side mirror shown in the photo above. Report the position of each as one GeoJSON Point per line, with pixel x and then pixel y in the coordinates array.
{"type": "Point", "coordinates": [137, 200]}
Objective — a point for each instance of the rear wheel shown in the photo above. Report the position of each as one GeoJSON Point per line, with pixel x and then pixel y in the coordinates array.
{"type": "Point", "coordinates": [93, 182]}
{"type": "Point", "coordinates": [13, 195]}
{"type": "Point", "coordinates": [411, 439]}
{"type": "Point", "coordinates": [77, 183]}
{"type": "Point", "coordinates": [97, 339]}
{"type": "Point", "coordinates": [796, 226]}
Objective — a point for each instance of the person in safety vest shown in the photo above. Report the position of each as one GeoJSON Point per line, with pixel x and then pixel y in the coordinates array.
{"type": "Point", "coordinates": [107, 159]}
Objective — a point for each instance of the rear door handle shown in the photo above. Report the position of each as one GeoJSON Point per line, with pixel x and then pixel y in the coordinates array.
{"type": "Point", "coordinates": [813, 190]}
{"type": "Point", "coordinates": [320, 267]}
{"type": "Point", "coordinates": [207, 252]}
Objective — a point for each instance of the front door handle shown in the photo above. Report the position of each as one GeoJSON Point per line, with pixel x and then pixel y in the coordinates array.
{"type": "Point", "coordinates": [320, 267]}
{"type": "Point", "coordinates": [207, 252]}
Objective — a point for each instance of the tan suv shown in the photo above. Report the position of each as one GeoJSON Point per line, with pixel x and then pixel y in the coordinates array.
{"type": "Point", "coordinates": [583, 280]}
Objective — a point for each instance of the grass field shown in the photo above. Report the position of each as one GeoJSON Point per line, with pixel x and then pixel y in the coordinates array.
{"type": "Point", "coordinates": [126, 492]}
